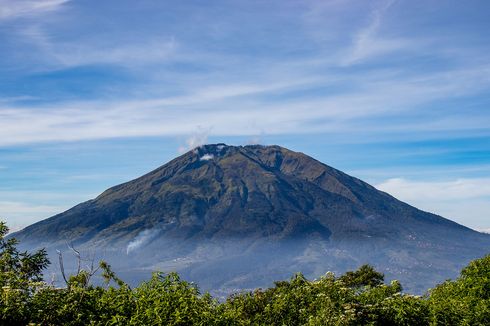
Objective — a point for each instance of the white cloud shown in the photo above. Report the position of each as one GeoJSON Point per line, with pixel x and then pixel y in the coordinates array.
{"type": "Point", "coordinates": [18, 196]}
{"type": "Point", "coordinates": [22, 208]}
{"type": "Point", "coordinates": [465, 201]}
{"type": "Point", "coordinates": [17, 8]}
{"type": "Point", "coordinates": [18, 215]}
{"type": "Point", "coordinates": [8, 208]}
{"type": "Point", "coordinates": [239, 110]}
{"type": "Point", "coordinates": [447, 190]}
{"type": "Point", "coordinates": [380, 176]}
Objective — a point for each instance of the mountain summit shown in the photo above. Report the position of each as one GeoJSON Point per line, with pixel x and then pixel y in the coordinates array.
{"type": "Point", "coordinates": [234, 217]}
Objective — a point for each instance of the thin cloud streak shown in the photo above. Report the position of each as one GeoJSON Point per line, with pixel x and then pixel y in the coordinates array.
{"type": "Point", "coordinates": [245, 110]}
{"type": "Point", "coordinates": [19, 208]}
{"type": "Point", "coordinates": [20, 214]}
{"type": "Point", "coordinates": [18, 8]}
{"type": "Point", "coordinates": [69, 54]}
{"type": "Point", "coordinates": [465, 201]}
{"type": "Point", "coordinates": [368, 44]}
{"type": "Point", "coordinates": [437, 190]}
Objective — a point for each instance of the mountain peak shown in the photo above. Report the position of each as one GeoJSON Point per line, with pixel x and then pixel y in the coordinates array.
{"type": "Point", "coordinates": [217, 197]}
{"type": "Point", "coordinates": [220, 191]}
{"type": "Point", "coordinates": [221, 149]}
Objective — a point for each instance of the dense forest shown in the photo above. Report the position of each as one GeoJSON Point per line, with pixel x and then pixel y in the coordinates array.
{"type": "Point", "coordinates": [356, 298]}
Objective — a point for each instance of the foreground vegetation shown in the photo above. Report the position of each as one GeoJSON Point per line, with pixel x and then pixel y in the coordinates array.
{"type": "Point", "coordinates": [355, 298]}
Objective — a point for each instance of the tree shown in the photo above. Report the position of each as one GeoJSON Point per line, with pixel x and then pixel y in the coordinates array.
{"type": "Point", "coordinates": [20, 275]}
{"type": "Point", "coordinates": [356, 298]}
{"type": "Point", "coordinates": [465, 301]}
{"type": "Point", "coordinates": [366, 275]}
{"type": "Point", "coordinates": [17, 268]}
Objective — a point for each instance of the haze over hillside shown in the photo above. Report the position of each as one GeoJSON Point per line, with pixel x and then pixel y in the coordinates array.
{"type": "Point", "coordinates": [232, 217]}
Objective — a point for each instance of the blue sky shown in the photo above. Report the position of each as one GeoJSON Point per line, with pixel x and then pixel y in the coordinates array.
{"type": "Point", "coordinates": [95, 93]}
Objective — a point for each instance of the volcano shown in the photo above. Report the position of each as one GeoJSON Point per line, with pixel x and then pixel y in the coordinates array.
{"type": "Point", "coordinates": [241, 217]}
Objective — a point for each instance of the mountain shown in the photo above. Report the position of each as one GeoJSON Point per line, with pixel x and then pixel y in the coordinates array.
{"type": "Point", "coordinates": [235, 217]}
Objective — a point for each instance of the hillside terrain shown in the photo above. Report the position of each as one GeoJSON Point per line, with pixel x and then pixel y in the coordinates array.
{"type": "Point", "coordinates": [235, 217]}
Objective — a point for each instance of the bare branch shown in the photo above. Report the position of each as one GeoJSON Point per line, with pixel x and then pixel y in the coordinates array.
{"type": "Point", "coordinates": [77, 254]}
{"type": "Point", "coordinates": [62, 268]}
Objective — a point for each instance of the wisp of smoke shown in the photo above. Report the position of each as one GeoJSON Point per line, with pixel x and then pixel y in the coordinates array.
{"type": "Point", "coordinates": [200, 137]}
{"type": "Point", "coordinates": [143, 238]}
{"type": "Point", "coordinates": [206, 157]}
{"type": "Point", "coordinates": [256, 140]}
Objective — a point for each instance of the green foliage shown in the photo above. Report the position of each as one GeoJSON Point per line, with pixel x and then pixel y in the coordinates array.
{"type": "Point", "coordinates": [20, 276]}
{"type": "Point", "coordinates": [384, 305]}
{"type": "Point", "coordinates": [356, 298]}
{"type": "Point", "coordinates": [167, 300]}
{"type": "Point", "coordinates": [297, 302]}
{"type": "Point", "coordinates": [465, 301]}
{"type": "Point", "coordinates": [365, 276]}
{"type": "Point", "coordinates": [17, 268]}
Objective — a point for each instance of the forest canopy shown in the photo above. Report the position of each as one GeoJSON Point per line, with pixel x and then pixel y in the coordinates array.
{"type": "Point", "coordinates": [358, 297]}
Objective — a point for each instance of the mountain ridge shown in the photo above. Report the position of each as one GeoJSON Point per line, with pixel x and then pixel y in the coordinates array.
{"type": "Point", "coordinates": [216, 196]}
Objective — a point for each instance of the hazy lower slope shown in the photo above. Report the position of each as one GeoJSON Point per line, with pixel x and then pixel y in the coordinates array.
{"type": "Point", "coordinates": [232, 217]}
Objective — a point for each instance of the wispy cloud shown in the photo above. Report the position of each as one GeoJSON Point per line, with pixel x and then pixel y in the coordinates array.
{"type": "Point", "coordinates": [70, 53]}
{"type": "Point", "coordinates": [13, 9]}
{"type": "Point", "coordinates": [367, 42]}
{"type": "Point", "coordinates": [438, 190]}
{"type": "Point", "coordinates": [52, 50]}
{"type": "Point", "coordinates": [463, 200]}
{"type": "Point", "coordinates": [20, 214]}
{"type": "Point", "coordinates": [410, 172]}
{"type": "Point", "coordinates": [23, 209]}
{"type": "Point", "coordinates": [246, 110]}
{"type": "Point", "coordinates": [20, 208]}
{"type": "Point", "coordinates": [14, 99]}
{"type": "Point", "coordinates": [18, 196]}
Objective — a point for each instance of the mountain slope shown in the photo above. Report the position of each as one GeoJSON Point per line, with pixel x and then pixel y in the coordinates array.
{"type": "Point", "coordinates": [219, 211]}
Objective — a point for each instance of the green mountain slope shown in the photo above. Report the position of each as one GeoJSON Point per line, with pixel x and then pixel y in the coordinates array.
{"type": "Point", "coordinates": [218, 211]}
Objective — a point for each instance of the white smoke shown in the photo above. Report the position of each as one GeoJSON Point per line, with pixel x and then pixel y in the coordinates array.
{"type": "Point", "coordinates": [257, 139]}
{"type": "Point", "coordinates": [254, 140]}
{"type": "Point", "coordinates": [143, 238]}
{"type": "Point", "coordinates": [199, 138]}
{"type": "Point", "coordinates": [206, 157]}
